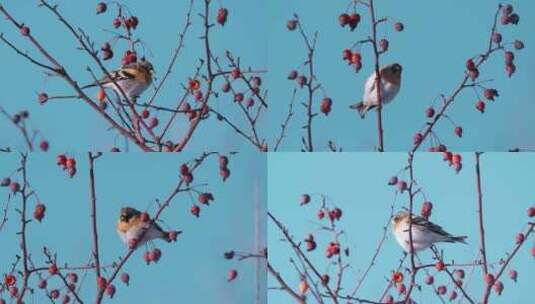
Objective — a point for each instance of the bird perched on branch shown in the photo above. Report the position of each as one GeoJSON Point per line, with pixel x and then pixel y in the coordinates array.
{"type": "Point", "coordinates": [424, 233]}
{"type": "Point", "coordinates": [390, 85]}
{"type": "Point", "coordinates": [133, 78]}
{"type": "Point", "coordinates": [132, 226]}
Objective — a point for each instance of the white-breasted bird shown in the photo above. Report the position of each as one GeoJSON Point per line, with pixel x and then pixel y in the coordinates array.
{"type": "Point", "coordinates": [424, 232]}
{"type": "Point", "coordinates": [390, 86]}
{"type": "Point", "coordinates": [131, 226]}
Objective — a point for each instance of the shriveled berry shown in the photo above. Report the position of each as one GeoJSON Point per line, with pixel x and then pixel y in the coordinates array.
{"type": "Point", "coordinates": [291, 24]}
{"type": "Point", "coordinates": [101, 7]}
{"type": "Point", "coordinates": [398, 26]}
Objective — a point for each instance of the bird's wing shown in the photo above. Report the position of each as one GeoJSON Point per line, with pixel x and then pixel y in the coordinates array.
{"type": "Point", "coordinates": [423, 224]}
{"type": "Point", "coordinates": [119, 75]}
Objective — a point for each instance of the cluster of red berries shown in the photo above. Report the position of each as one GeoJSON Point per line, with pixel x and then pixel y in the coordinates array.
{"type": "Point", "coordinates": [204, 198]}
{"type": "Point", "coordinates": [508, 16]}
{"type": "Point", "coordinates": [222, 15]}
{"type": "Point", "coordinates": [153, 255]}
{"type": "Point", "coordinates": [108, 288]}
{"type": "Point", "coordinates": [454, 160]}
{"type": "Point", "coordinates": [224, 171]}
{"type": "Point", "coordinates": [350, 20]}
{"type": "Point", "coordinates": [13, 186]}
{"type": "Point", "coordinates": [67, 163]}
{"type": "Point", "coordinates": [186, 174]}
{"type": "Point", "coordinates": [129, 23]}
{"type": "Point", "coordinates": [332, 249]}
{"type": "Point", "coordinates": [401, 185]}
{"type": "Point", "coordinates": [334, 214]}
{"type": "Point", "coordinates": [353, 59]}
{"type": "Point", "coordinates": [300, 79]}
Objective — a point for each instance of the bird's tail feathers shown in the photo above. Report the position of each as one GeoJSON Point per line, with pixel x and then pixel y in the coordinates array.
{"type": "Point", "coordinates": [361, 108]}
{"type": "Point", "coordinates": [456, 239]}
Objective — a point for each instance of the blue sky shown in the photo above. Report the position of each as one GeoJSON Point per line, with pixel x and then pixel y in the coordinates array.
{"type": "Point", "coordinates": [192, 269]}
{"type": "Point", "coordinates": [439, 37]}
{"type": "Point", "coordinates": [357, 183]}
{"type": "Point", "coordinates": [73, 126]}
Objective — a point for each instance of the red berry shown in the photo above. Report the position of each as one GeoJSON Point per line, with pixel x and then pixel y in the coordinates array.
{"type": "Point", "coordinates": [397, 277]}
{"type": "Point", "coordinates": [417, 138]}
{"type": "Point", "coordinates": [393, 180]}
{"type": "Point", "coordinates": [488, 278]}
{"type": "Point", "coordinates": [101, 7]}
{"type": "Point", "coordinates": [291, 24]}
{"type": "Point", "coordinates": [453, 295]}
{"type": "Point", "coordinates": [236, 73]}
{"type": "Point", "coordinates": [356, 58]}
{"type": "Point", "coordinates": [459, 131]}
{"type": "Point", "coordinates": [441, 290]}
{"type": "Point", "coordinates": [509, 57]}
{"type": "Point", "coordinates": [72, 277]}
{"type": "Point", "coordinates": [513, 274]}
{"type": "Point", "coordinates": [39, 212]}
{"type": "Point", "coordinates": [480, 106]}
{"type": "Point", "coordinates": [456, 159]}
{"type": "Point", "coordinates": [10, 280]}
{"type": "Point", "coordinates": [42, 98]}
{"type": "Point", "coordinates": [402, 186]}
{"type": "Point", "coordinates": [61, 160]}
{"type": "Point", "coordinates": [132, 243]}
{"type": "Point", "coordinates": [429, 279]}
{"type": "Point", "coordinates": [383, 44]}
{"type": "Point", "coordinates": [153, 122]}
{"type": "Point", "coordinates": [519, 239]}
{"type": "Point", "coordinates": [156, 254]}
{"type": "Point", "coordinates": [354, 20]}
{"type": "Point", "coordinates": [459, 274]}
{"type": "Point", "coordinates": [195, 210]}
{"type": "Point", "coordinates": [305, 199]}
{"type": "Point", "coordinates": [344, 19]}
{"type": "Point", "coordinates": [518, 44]}
{"type": "Point", "coordinates": [145, 113]}
{"type": "Point", "coordinates": [133, 22]}
{"type": "Point", "coordinates": [473, 74]}
{"type": "Point", "coordinates": [510, 69]}
{"type": "Point", "coordinates": [440, 266]}
{"type": "Point", "coordinates": [53, 269]}
{"type": "Point", "coordinates": [321, 214]}
{"type": "Point", "coordinates": [301, 80]}
{"type": "Point", "coordinates": [54, 294]}
{"type": "Point", "coordinates": [427, 207]}
{"type": "Point", "coordinates": [292, 75]}
{"type": "Point", "coordinates": [325, 106]}
{"type": "Point", "coordinates": [232, 274]}
{"type": "Point", "coordinates": [430, 112]}
{"type": "Point", "coordinates": [15, 187]}
{"type": "Point", "coordinates": [398, 26]}
{"type": "Point", "coordinates": [125, 278]}
{"type": "Point", "coordinates": [470, 65]}
{"type": "Point", "coordinates": [205, 198]}
{"type": "Point", "coordinates": [498, 287]}
{"type": "Point", "coordinates": [43, 145]}
{"type": "Point", "coordinates": [507, 10]}
{"type": "Point", "coordinates": [238, 97]}
{"type": "Point", "coordinates": [514, 19]}
{"type": "Point", "coordinates": [172, 235]}
{"type": "Point", "coordinates": [116, 22]}
{"type": "Point", "coordinates": [490, 94]}
{"type": "Point", "coordinates": [325, 279]}
{"type": "Point", "coordinates": [497, 38]}
{"type": "Point", "coordinates": [224, 173]}
{"type": "Point", "coordinates": [223, 161]}
{"type": "Point", "coordinates": [70, 163]}
{"type": "Point", "coordinates": [531, 211]}
{"type": "Point", "coordinates": [42, 284]}
{"type": "Point", "coordinates": [24, 30]}
{"type": "Point", "coordinates": [222, 15]}
{"type": "Point", "coordinates": [110, 290]}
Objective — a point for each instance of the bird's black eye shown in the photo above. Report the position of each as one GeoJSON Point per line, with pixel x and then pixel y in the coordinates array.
{"type": "Point", "coordinates": [123, 218]}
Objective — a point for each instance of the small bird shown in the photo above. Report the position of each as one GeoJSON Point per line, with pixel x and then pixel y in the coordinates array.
{"type": "Point", "coordinates": [133, 79]}
{"type": "Point", "coordinates": [390, 85]}
{"type": "Point", "coordinates": [131, 226]}
{"type": "Point", "coordinates": [424, 233]}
